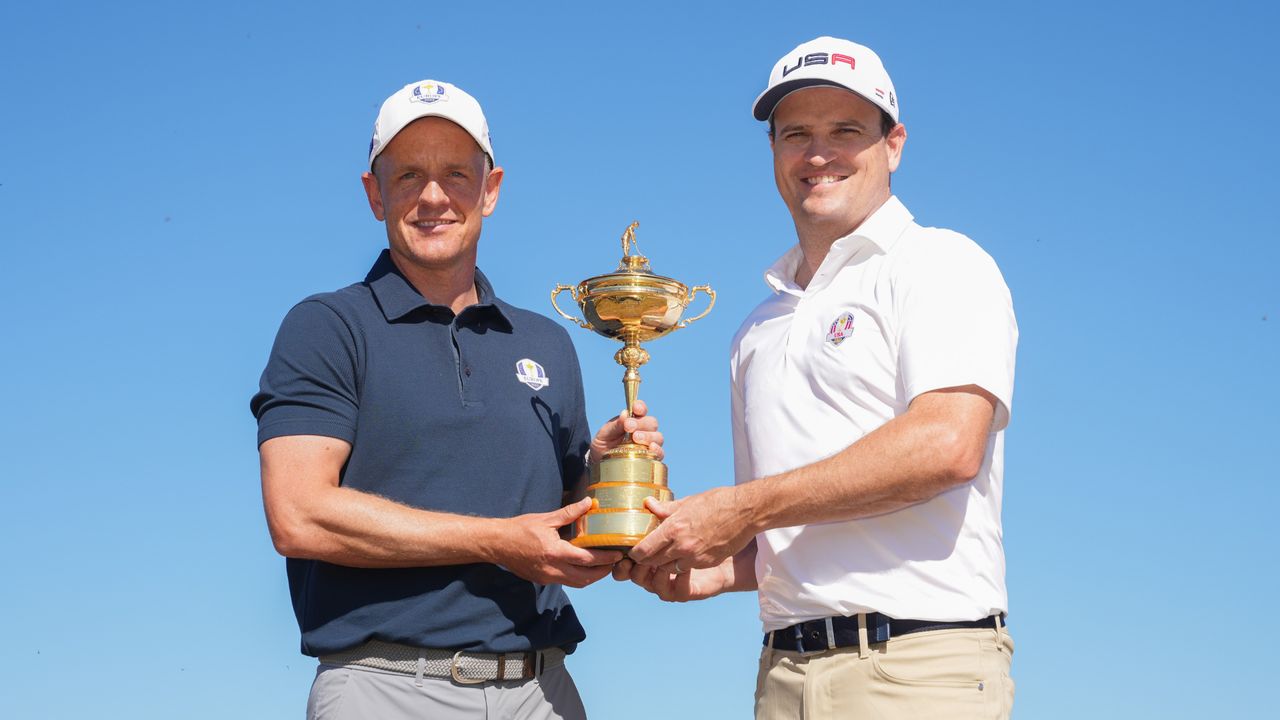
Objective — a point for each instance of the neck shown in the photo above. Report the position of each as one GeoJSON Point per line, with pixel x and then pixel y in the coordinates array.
{"type": "Point", "coordinates": [816, 239]}
{"type": "Point", "coordinates": [454, 287]}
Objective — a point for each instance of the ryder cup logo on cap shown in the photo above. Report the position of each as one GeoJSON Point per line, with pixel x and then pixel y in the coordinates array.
{"type": "Point", "coordinates": [429, 92]}
{"type": "Point", "coordinates": [429, 98]}
{"type": "Point", "coordinates": [829, 62]}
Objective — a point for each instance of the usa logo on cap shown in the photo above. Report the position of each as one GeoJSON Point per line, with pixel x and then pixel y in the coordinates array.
{"type": "Point", "coordinates": [841, 329]}
{"type": "Point", "coordinates": [531, 373]}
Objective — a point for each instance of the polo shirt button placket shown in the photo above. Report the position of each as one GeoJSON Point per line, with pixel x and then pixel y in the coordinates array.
{"type": "Point", "coordinates": [462, 368]}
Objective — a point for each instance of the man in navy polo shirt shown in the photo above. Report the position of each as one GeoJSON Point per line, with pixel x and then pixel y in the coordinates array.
{"type": "Point", "coordinates": [418, 437]}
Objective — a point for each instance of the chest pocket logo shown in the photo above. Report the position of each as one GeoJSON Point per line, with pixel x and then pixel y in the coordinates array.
{"type": "Point", "coordinates": [841, 329]}
{"type": "Point", "coordinates": [531, 373]}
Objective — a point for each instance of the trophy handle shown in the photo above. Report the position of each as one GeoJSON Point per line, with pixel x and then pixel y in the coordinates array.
{"type": "Point", "coordinates": [711, 295]}
{"type": "Point", "coordinates": [573, 293]}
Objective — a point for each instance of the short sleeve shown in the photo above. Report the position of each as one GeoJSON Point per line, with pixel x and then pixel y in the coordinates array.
{"type": "Point", "coordinates": [741, 457]}
{"type": "Point", "coordinates": [310, 385]}
{"type": "Point", "coordinates": [955, 321]}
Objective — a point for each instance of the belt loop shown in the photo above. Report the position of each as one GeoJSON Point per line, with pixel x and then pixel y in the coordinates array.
{"type": "Point", "coordinates": [999, 617]}
{"type": "Point", "coordinates": [768, 660]}
{"type": "Point", "coordinates": [831, 634]}
{"type": "Point", "coordinates": [422, 667]}
{"type": "Point", "coordinates": [864, 648]}
{"type": "Point", "coordinates": [538, 661]}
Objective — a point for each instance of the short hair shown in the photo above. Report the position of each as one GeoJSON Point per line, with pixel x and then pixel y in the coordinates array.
{"type": "Point", "coordinates": [887, 124]}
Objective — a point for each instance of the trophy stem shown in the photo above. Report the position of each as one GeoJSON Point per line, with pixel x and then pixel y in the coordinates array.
{"type": "Point", "coordinates": [631, 386]}
{"type": "Point", "coordinates": [631, 356]}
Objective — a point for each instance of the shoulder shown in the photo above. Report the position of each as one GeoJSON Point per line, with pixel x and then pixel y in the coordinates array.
{"type": "Point", "coordinates": [933, 251]}
{"type": "Point", "coordinates": [532, 324]}
{"type": "Point", "coordinates": [920, 244]}
{"type": "Point", "coordinates": [352, 301]}
{"type": "Point", "coordinates": [342, 312]}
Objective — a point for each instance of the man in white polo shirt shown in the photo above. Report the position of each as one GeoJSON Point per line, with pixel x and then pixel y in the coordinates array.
{"type": "Point", "coordinates": [871, 390]}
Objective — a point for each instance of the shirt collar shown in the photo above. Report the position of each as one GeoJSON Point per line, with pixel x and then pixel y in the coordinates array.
{"type": "Point", "coordinates": [397, 297]}
{"type": "Point", "coordinates": [882, 229]}
{"type": "Point", "coordinates": [781, 276]}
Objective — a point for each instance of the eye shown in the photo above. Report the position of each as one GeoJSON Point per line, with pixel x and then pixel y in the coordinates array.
{"type": "Point", "coordinates": [794, 135]}
{"type": "Point", "coordinates": [409, 175]}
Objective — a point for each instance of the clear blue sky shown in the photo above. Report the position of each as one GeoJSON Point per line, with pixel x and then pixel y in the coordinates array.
{"type": "Point", "coordinates": [173, 179]}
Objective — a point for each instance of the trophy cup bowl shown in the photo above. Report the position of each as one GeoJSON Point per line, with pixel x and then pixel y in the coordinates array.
{"type": "Point", "coordinates": [632, 305]}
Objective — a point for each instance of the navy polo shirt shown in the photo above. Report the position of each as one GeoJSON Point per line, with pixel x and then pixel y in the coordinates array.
{"type": "Point", "coordinates": [481, 413]}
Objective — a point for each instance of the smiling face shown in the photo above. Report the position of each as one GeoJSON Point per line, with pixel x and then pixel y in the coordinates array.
{"type": "Point", "coordinates": [830, 160]}
{"type": "Point", "coordinates": [432, 187]}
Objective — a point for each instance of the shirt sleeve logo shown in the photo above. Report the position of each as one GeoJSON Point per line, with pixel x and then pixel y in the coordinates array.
{"type": "Point", "coordinates": [531, 373]}
{"type": "Point", "coordinates": [841, 329]}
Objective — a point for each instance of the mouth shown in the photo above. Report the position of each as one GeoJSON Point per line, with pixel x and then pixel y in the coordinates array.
{"type": "Point", "coordinates": [431, 224]}
{"type": "Point", "coordinates": [824, 179]}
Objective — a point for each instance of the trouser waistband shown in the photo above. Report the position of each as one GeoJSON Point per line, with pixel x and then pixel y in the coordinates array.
{"type": "Point", "coordinates": [463, 666]}
{"type": "Point", "coordinates": [841, 631]}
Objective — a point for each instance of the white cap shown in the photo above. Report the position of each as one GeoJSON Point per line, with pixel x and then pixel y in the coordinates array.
{"type": "Point", "coordinates": [429, 98]}
{"type": "Point", "coordinates": [832, 62]}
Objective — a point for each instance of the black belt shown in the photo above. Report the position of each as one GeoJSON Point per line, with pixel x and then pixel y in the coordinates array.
{"type": "Point", "coordinates": [840, 631]}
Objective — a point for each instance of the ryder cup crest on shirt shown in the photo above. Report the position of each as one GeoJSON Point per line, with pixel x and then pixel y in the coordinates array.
{"type": "Point", "coordinates": [531, 373]}
{"type": "Point", "coordinates": [841, 329]}
{"type": "Point", "coordinates": [429, 98]}
{"type": "Point", "coordinates": [829, 62]}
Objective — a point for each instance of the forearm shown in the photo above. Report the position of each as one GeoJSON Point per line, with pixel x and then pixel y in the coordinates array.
{"type": "Point", "coordinates": [349, 527]}
{"type": "Point", "coordinates": [742, 565]}
{"type": "Point", "coordinates": [908, 460]}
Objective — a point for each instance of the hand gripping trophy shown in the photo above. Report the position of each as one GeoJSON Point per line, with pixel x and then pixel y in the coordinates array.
{"type": "Point", "coordinates": [633, 305]}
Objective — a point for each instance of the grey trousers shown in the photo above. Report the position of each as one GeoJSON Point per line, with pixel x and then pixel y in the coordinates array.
{"type": "Point", "coordinates": [346, 692]}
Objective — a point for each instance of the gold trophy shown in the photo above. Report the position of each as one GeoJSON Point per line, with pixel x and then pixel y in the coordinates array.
{"type": "Point", "coordinates": [633, 305]}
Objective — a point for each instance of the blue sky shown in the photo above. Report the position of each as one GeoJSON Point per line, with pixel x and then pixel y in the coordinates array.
{"type": "Point", "coordinates": [173, 177]}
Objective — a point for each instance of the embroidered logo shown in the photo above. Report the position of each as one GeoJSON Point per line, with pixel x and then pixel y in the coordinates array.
{"type": "Point", "coordinates": [841, 329]}
{"type": "Point", "coordinates": [429, 92]}
{"type": "Point", "coordinates": [531, 373]}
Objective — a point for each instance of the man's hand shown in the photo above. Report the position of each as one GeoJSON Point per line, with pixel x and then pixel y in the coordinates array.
{"type": "Point", "coordinates": [642, 426]}
{"type": "Point", "coordinates": [699, 531]}
{"type": "Point", "coordinates": [536, 552]}
{"type": "Point", "coordinates": [697, 584]}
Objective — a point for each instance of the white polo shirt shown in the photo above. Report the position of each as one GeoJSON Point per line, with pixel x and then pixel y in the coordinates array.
{"type": "Point", "coordinates": [894, 311]}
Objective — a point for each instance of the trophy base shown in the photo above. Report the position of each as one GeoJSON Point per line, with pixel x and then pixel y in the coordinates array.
{"type": "Point", "coordinates": [620, 482]}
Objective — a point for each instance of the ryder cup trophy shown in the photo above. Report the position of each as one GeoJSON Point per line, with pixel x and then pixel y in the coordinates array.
{"type": "Point", "coordinates": [632, 305]}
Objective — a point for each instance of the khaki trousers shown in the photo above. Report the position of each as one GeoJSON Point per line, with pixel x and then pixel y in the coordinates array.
{"type": "Point", "coordinates": [943, 674]}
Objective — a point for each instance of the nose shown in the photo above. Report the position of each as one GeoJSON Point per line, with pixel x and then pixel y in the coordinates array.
{"type": "Point", "coordinates": [433, 194]}
{"type": "Point", "coordinates": [819, 153]}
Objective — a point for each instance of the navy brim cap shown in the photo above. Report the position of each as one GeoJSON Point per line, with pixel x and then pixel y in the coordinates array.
{"type": "Point", "coordinates": [770, 98]}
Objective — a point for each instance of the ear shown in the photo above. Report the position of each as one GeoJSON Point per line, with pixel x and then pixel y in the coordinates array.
{"type": "Point", "coordinates": [492, 184]}
{"type": "Point", "coordinates": [895, 141]}
{"type": "Point", "coordinates": [371, 191]}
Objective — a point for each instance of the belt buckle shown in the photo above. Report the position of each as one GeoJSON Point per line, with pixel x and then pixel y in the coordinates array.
{"type": "Point", "coordinates": [458, 677]}
{"type": "Point", "coordinates": [817, 630]}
